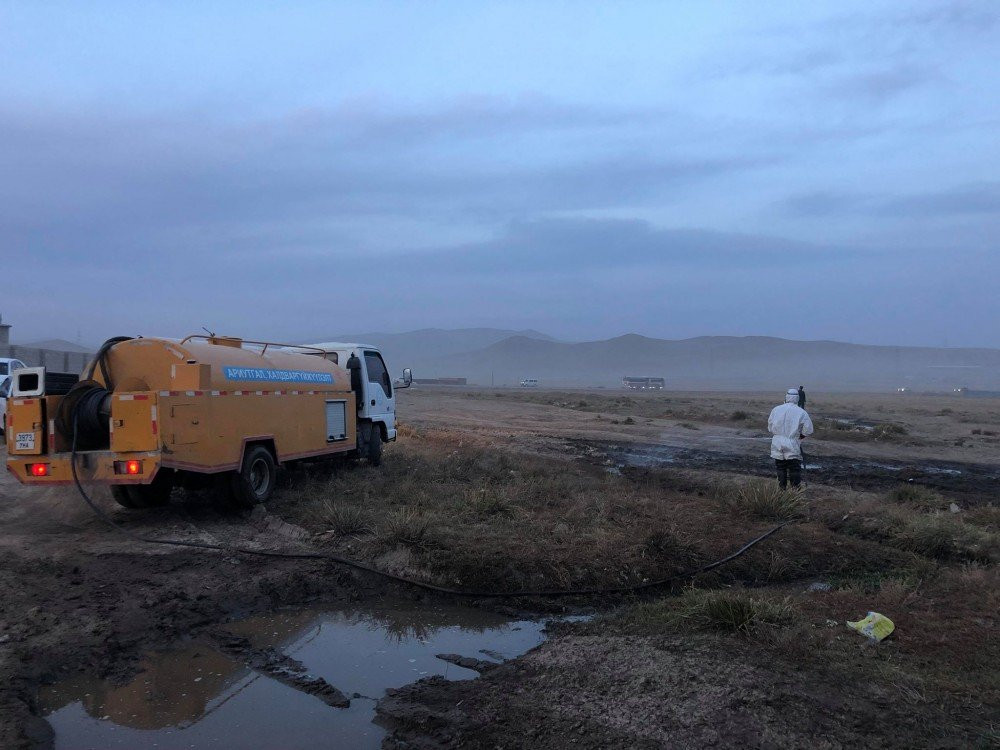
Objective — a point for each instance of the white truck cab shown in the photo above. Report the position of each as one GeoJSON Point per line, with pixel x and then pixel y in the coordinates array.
{"type": "Point", "coordinates": [376, 392]}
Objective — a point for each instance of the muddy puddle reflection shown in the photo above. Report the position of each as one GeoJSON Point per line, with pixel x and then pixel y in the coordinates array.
{"type": "Point", "coordinates": [194, 696]}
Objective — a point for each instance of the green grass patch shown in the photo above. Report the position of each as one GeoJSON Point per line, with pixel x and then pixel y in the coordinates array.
{"type": "Point", "coordinates": [730, 610]}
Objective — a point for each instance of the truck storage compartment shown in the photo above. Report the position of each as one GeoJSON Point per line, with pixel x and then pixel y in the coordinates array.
{"type": "Point", "coordinates": [336, 420]}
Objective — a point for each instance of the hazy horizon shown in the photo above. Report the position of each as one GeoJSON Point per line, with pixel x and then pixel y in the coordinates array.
{"type": "Point", "coordinates": [360, 336]}
{"type": "Point", "coordinates": [822, 171]}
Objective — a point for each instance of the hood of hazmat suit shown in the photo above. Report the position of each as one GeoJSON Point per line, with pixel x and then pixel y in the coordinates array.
{"type": "Point", "coordinates": [788, 424]}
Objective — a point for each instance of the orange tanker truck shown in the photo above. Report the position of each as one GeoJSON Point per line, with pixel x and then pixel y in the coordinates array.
{"type": "Point", "coordinates": [150, 414]}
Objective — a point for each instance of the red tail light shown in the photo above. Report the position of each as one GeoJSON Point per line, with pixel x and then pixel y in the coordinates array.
{"type": "Point", "coordinates": [39, 470]}
{"type": "Point", "coordinates": [132, 466]}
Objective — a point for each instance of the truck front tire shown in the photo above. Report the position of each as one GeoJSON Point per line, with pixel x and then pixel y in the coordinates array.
{"type": "Point", "coordinates": [374, 452]}
{"type": "Point", "coordinates": [255, 481]}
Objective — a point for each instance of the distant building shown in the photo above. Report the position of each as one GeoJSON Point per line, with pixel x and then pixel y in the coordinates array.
{"type": "Point", "coordinates": [54, 355]}
{"type": "Point", "coordinates": [644, 384]}
{"type": "Point", "coordinates": [441, 381]}
{"type": "Point", "coordinates": [969, 393]}
{"type": "Point", "coordinates": [529, 383]}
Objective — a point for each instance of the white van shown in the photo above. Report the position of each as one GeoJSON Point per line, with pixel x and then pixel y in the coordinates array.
{"type": "Point", "coordinates": [376, 391]}
{"type": "Point", "coordinates": [7, 366]}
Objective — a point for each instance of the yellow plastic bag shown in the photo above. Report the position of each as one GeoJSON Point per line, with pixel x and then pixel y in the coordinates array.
{"type": "Point", "coordinates": [875, 626]}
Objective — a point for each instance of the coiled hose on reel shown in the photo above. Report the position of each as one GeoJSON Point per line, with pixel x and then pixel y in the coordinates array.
{"type": "Point", "coordinates": [85, 410]}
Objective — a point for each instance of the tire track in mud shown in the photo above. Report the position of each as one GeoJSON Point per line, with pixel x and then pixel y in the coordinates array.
{"type": "Point", "coordinates": [977, 482]}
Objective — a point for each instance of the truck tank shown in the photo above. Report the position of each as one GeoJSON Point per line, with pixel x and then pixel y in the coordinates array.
{"type": "Point", "coordinates": [193, 365]}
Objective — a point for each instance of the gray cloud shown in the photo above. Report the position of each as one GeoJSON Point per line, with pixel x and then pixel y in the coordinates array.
{"type": "Point", "coordinates": [963, 200]}
{"type": "Point", "coordinates": [580, 246]}
{"type": "Point", "coordinates": [878, 85]}
{"type": "Point", "coordinates": [979, 198]}
{"type": "Point", "coordinates": [76, 182]}
{"type": "Point", "coordinates": [965, 16]}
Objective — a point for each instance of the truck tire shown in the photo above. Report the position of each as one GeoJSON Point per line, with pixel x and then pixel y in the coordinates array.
{"type": "Point", "coordinates": [152, 495]}
{"type": "Point", "coordinates": [374, 452]}
{"type": "Point", "coordinates": [120, 493]}
{"type": "Point", "coordinates": [254, 482]}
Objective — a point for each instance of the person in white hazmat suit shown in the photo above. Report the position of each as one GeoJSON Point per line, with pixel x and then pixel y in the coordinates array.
{"type": "Point", "coordinates": [789, 423]}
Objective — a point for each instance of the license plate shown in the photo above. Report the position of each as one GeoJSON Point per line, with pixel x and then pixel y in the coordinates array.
{"type": "Point", "coordinates": [24, 441]}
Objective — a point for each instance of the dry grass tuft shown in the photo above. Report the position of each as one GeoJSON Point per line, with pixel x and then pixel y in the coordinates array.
{"type": "Point", "coordinates": [764, 500]}
{"type": "Point", "coordinates": [345, 520]}
{"type": "Point", "coordinates": [941, 536]}
{"type": "Point", "coordinates": [987, 516]}
{"type": "Point", "coordinates": [734, 611]}
{"type": "Point", "coordinates": [918, 497]}
{"type": "Point", "coordinates": [406, 528]}
{"type": "Point", "coordinates": [889, 431]}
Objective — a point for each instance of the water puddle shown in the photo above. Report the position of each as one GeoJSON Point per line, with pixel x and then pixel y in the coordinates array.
{"type": "Point", "coordinates": [646, 456]}
{"type": "Point", "coordinates": [197, 696]}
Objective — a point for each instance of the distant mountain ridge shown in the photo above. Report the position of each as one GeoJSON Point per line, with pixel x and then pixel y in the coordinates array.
{"type": "Point", "coordinates": [486, 355]}
{"type": "Point", "coordinates": [427, 345]}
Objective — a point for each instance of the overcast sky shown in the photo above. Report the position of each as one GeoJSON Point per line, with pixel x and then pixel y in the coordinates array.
{"type": "Point", "coordinates": [804, 170]}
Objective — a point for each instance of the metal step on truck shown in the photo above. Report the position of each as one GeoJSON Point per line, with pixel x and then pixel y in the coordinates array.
{"type": "Point", "coordinates": [206, 411]}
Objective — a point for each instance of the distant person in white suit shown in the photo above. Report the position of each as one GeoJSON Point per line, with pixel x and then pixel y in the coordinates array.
{"type": "Point", "coordinates": [788, 423]}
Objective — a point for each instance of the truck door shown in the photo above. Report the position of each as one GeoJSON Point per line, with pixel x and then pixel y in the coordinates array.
{"type": "Point", "coordinates": [381, 404]}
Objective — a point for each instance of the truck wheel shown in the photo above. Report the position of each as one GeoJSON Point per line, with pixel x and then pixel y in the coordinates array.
{"type": "Point", "coordinates": [152, 495]}
{"type": "Point", "coordinates": [254, 482]}
{"type": "Point", "coordinates": [156, 493]}
{"type": "Point", "coordinates": [122, 496]}
{"type": "Point", "coordinates": [374, 453]}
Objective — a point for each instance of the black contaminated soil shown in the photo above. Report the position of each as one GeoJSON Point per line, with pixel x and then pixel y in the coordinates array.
{"type": "Point", "coordinates": [977, 483]}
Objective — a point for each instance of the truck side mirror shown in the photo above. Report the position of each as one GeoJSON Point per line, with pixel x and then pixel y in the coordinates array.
{"type": "Point", "coordinates": [407, 377]}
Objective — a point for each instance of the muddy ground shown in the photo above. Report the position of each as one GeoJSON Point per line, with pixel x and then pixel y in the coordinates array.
{"type": "Point", "coordinates": [505, 489]}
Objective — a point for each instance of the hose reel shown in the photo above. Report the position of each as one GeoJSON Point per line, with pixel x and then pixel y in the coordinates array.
{"type": "Point", "coordinates": [86, 409]}
{"type": "Point", "coordinates": [88, 405]}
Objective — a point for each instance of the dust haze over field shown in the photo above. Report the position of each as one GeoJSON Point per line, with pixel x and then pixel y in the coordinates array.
{"type": "Point", "coordinates": [498, 357]}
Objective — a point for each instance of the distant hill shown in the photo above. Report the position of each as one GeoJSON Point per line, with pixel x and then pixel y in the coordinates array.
{"type": "Point", "coordinates": [485, 355]}
{"type": "Point", "coordinates": [722, 362]}
{"type": "Point", "coordinates": [428, 345]}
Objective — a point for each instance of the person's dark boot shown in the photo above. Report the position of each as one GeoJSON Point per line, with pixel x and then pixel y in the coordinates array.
{"type": "Point", "coordinates": [795, 473]}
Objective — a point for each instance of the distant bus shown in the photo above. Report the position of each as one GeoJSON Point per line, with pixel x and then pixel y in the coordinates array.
{"type": "Point", "coordinates": [644, 384]}
{"type": "Point", "coordinates": [529, 383]}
